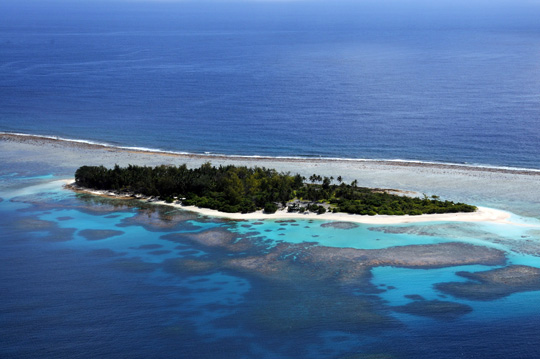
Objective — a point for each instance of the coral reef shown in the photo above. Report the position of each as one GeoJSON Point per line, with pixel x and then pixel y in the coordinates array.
{"type": "Point", "coordinates": [493, 284]}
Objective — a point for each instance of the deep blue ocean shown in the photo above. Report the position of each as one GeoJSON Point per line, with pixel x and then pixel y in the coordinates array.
{"type": "Point", "coordinates": [87, 277]}
{"type": "Point", "coordinates": [452, 83]}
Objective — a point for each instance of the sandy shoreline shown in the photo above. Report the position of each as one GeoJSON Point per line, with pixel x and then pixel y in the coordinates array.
{"type": "Point", "coordinates": [483, 214]}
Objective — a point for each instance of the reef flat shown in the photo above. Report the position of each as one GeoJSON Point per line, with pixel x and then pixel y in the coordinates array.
{"type": "Point", "coordinates": [494, 284]}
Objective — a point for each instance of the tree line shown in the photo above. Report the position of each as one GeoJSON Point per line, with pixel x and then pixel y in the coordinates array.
{"type": "Point", "coordinates": [243, 189]}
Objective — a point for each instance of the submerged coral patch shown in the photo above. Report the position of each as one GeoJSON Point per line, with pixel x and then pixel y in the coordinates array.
{"type": "Point", "coordinates": [52, 232]}
{"type": "Point", "coordinates": [161, 218]}
{"type": "Point", "coordinates": [217, 238]}
{"type": "Point", "coordinates": [60, 235]}
{"type": "Point", "coordinates": [493, 284]}
{"type": "Point", "coordinates": [339, 225]}
{"type": "Point", "coordinates": [436, 309]}
{"type": "Point", "coordinates": [65, 218]}
{"type": "Point", "coordinates": [413, 256]}
{"type": "Point", "coordinates": [295, 262]}
{"type": "Point", "coordinates": [180, 266]}
{"type": "Point", "coordinates": [95, 205]}
{"type": "Point", "coordinates": [99, 234]}
{"type": "Point", "coordinates": [32, 224]}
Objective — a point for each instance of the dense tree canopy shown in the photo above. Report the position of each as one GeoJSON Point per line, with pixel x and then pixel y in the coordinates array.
{"type": "Point", "coordinates": [242, 189]}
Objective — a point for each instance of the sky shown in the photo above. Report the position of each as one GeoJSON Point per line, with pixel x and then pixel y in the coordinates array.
{"type": "Point", "coordinates": [409, 13]}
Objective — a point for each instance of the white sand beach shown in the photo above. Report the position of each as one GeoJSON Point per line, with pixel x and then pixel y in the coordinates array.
{"type": "Point", "coordinates": [483, 214]}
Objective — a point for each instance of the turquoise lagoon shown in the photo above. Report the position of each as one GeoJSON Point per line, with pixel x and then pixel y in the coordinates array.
{"type": "Point", "coordinates": [88, 276]}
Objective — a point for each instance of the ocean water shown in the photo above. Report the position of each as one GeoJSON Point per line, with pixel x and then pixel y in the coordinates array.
{"type": "Point", "coordinates": [458, 84]}
{"type": "Point", "coordinates": [84, 277]}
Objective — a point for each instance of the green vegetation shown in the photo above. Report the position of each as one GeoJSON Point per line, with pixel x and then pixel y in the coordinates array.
{"type": "Point", "coordinates": [242, 189]}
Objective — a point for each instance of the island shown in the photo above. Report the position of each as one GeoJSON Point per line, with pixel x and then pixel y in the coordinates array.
{"type": "Point", "coordinates": [241, 189]}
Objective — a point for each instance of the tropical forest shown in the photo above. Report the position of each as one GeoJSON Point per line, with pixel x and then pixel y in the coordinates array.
{"type": "Point", "coordinates": [240, 189]}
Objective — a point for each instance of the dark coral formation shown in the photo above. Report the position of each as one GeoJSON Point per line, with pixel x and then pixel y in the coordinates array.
{"type": "Point", "coordinates": [436, 309]}
{"type": "Point", "coordinates": [85, 203]}
{"type": "Point", "coordinates": [217, 238]}
{"type": "Point", "coordinates": [31, 224]}
{"type": "Point", "coordinates": [52, 232]}
{"type": "Point", "coordinates": [99, 234]}
{"type": "Point", "coordinates": [160, 219]}
{"type": "Point", "coordinates": [181, 266]}
{"type": "Point", "coordinates": [339, 225]}
{"type": "Point", "coordinates": [413, 256]}
{"type": "Point", "coordinates": [494, 284]}
{"type": "Point", "coordinates": [60, 235]}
